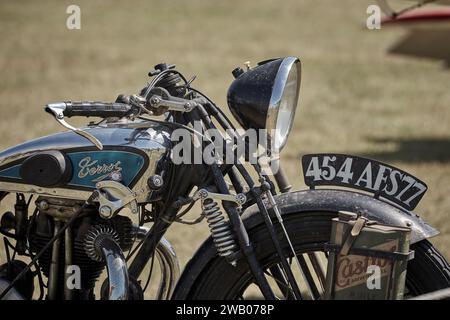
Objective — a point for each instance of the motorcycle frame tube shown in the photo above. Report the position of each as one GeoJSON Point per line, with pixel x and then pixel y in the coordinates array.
{"type": "Point", "coordinates": [167, 257]}
{"type": "Point", "coordinates": [150, 243]}
{"type": "Point", "coordinates": [68, 293]}
{"type": "Point", "coordinates": [54, 265]}
{"type": "Point", "coordinates": [282, 179]}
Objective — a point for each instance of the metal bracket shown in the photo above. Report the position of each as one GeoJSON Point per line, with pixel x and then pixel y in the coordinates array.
{"type": "Point", "coordinates": [113, 196]}
{"type": "Point", "coordinates": [204, 194]}
{"type": "Point", "coordinates": [57, 109]}
{"type": "Point", "coordinates": [183, 106]}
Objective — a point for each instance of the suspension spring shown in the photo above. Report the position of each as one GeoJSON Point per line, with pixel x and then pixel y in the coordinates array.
{"type": "Point", "coordinates": [221, 231]}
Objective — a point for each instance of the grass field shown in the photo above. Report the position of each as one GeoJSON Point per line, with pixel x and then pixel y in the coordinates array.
{"type": "Point", "coordinates": [374, 93]}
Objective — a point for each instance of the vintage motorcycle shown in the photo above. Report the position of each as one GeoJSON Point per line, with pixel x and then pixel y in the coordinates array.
{"type": "Point", "coordinates": [78, 194]}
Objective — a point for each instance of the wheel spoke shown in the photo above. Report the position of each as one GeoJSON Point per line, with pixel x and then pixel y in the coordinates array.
{"type": "Point", "coordinates": [277, 274]}
{"type": "Point", "coordinates": [313, 275]}
{"type": "Point", "coordinates": [307, 276]}
{"type": "Point", "coordinates": [320, 272]}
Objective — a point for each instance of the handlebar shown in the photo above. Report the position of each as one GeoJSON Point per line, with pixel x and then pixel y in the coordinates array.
{"type": "Point", "coordinates": [123, 107]}
{"type": "Point", "coordinates": [90, 109]}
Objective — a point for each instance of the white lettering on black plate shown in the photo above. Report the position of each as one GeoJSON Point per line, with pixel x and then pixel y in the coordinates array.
{"type": "Point", "coordinates": [373, 176]}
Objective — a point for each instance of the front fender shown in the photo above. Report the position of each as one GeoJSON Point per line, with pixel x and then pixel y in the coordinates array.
{"type": "Point", "coordinates": [306, 202]}
{"type": "Point", "coordinates": [340, 200]}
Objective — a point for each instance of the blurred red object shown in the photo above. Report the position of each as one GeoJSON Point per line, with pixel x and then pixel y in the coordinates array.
{"type": "Point", "coordinates": [418, 15]}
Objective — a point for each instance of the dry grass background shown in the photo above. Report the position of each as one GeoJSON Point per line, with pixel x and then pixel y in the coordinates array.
{"type": "Point", "coordinates": [356, 98]}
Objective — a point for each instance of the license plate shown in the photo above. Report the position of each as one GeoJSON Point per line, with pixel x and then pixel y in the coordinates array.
{"type": "Point", "coordinates": [365, 174]}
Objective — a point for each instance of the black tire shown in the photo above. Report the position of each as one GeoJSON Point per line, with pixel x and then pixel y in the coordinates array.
{"type": "Point", "coordinates": [428, 271]}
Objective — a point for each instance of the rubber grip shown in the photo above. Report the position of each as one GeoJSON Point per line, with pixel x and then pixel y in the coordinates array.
{"type": "Point", "coordinates": [96, 109]}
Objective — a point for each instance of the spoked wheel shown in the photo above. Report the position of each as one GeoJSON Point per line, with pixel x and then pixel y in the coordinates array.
{"type": "Point", "coordinates": [428, 271]}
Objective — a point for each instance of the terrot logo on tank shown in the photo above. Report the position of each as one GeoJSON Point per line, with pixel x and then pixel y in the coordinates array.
{"type": "Point", "coordinates": [91, 168]}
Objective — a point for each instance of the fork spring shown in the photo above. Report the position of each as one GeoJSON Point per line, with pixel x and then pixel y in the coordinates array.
{"type": "Point", "coordinates": [221, 231]}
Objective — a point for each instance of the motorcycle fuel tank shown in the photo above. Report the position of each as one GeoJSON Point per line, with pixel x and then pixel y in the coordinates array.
{"type": "Point", "coordinates": [68, 165]}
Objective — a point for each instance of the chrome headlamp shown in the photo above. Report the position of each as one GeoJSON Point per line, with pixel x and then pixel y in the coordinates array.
{"type": "Point", "coordinates": [266, 97]}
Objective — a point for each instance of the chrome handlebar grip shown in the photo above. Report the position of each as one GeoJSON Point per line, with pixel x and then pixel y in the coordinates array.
{"type": "Point", "coordinates": [96, 109]}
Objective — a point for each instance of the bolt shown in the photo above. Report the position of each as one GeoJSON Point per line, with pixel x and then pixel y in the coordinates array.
{"type": "Point", "coordinates": [155, 182]}
{"type": "Point", "coordinates": [237, 72]}
{"type": "Point", "coordinates": [265, 186]}
{"type": "Point", "coordinates": [116, 176]}
{"type": "Point", "coordinates": [241, 198]}
{"type": "Point", "coordinates": [43, 205]}
{"type": "Point", "coordinates": [203, 194]}
{"type": "Point", "coordinates": [154, 101]}
{"type": "Point", "coordinates": [105, 212]}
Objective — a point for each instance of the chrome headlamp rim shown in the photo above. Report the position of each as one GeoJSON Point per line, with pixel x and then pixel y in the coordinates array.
{"type": "Point", "coordinates": [277, 96]}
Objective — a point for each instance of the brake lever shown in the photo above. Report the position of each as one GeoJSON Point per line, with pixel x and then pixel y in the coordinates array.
{"type": "Point", "coordinates": [57, 110]}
